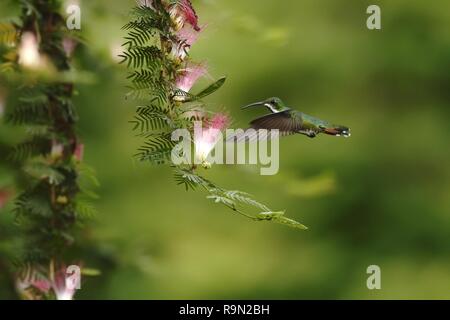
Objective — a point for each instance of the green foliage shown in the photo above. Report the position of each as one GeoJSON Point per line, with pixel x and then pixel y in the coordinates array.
{"type": "Point", "coordinates": [31, 205]}
{"type": "Point", "coordinates": [157, 149]}
{"type": "Point", "coordinates": [237, 201]}
{"type": "Point", "coordinates": [34, 146]}
{"type": "Point", "coordinates": [55, 201]}
{"type": "Point", "coordinates": [8, 33]}
{"type": "Point", "coordinates": [211, 89]}
{"type": "Point", "coordinates": [84, 210]}
{"type": "Point", "coordinates": [143, 56]}
{"type": "Point", "coordinates": [30, 111]}
{"type": "Point", "coordinates": [40, 170]}
{"type": "Point", "coordinates": [150, 119]}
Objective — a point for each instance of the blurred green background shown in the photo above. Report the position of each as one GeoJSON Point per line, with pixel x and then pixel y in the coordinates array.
{"type": "Point", "coordinates": [380, 197]}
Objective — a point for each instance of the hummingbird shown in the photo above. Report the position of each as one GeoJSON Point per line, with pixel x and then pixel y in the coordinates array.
{"type": "Point", "coordinates": [289, 121]}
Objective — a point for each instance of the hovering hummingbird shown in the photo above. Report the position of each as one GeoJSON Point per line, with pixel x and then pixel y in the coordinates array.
{"type": "Point", "coordinates": [289, 121]}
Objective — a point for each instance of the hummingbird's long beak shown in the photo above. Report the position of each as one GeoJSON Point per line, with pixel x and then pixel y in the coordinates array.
{"type": "Point", "coordinates": [256, 104]}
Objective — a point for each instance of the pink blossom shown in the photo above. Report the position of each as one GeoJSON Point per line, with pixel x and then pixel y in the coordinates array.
{"type": "Point", "coordinates": [187, 36]}
{"type": "Point", "coordinates": [181, 13]}
{"type": "Point", "coordinates": [79, 152]}
{"type": "Point", "coordinates": [69, 45]}
{"type": "Point", "coordinates": [59, 286]}
{"type": "Point", "coordinates": [29, 55]}
{"type": "Point", "coordinates": [33, 278]}
{"type": "Point", "coordinates": [219, 121]}
{"type": "Point", "coordinates": [189, 76]}
{"type": "Point", "coordinates": [42, 285]}
{"type": "Point", "coordinates": [207, 138]}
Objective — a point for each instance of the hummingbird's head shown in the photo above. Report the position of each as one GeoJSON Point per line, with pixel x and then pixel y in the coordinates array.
{"type": "Point", "coordinates": [274, 104]}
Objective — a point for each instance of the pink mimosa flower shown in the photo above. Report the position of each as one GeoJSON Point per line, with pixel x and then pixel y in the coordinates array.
{"type": "Point", "coordinates": [29, 55]}
{"type": "Point", "coordinates": [206, 140]}
{"type": "Point", "coordinates": [69, 46]}
{"type": "Point", "coordinates": [181, 13]}
{"type": "Point", "coordinates": [189, 76]}
{"type": "Point", "coordinates": [186, 38]}
{"type": "Point", "coordinates": [60, 288]}
{"type": "Point", "coordinates": [32, 278]}
{"type": "Point", "coordinates": [79, 152]}
{"type": "Point", "coordinates": [42, 285]}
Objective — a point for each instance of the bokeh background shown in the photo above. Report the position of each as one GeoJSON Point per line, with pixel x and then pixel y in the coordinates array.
{"type": "Point", "coordinates": [380, 197]}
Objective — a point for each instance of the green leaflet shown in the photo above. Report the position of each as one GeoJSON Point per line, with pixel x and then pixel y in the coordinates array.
{"type": "Point", "coordinates": [211, 89]}
{"type": "Point", "coordinates": [278, 217]}
{"type": "Point", "coordinates": [8, 33]}
{"type": "Point", "coordinates": [187, 97]}
{"type": "Point", "coordinates": [42, 171]}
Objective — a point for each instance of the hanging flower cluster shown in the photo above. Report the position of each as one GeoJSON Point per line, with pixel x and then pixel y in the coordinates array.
{"type": "Point", "coordinates": [54, 200]}
{"type": "Point", "coordinates": [178, 28]}
{"type": "Point", "coordinates": [186, 27]}
{"type": "Point", "coordinates": [36, 284]}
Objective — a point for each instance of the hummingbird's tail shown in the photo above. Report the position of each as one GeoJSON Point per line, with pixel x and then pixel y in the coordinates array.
{"type": "Point", "coordinates": [337, 131]}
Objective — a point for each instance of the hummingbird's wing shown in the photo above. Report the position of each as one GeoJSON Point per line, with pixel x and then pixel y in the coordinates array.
{"type": "Point", "coordinates": [285, 121]}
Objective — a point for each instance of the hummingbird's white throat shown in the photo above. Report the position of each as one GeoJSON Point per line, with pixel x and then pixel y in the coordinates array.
{"type": "Point", "coordinates": [268, 105]}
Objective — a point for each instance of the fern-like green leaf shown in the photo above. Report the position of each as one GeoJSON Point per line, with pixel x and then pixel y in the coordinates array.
{"type": "Point", "coordinates": [85, 210]}
{"type": "Point", "coordinates": [142, 57]}
{"type": "Point", "coordinates": [189, 179]}
{"type": "Point", "coordinates": [157, 150]}
{"type": "Point", "coordinates": [150, 119]}
{"type": "Point", "coordinates": [37, 145]}
{"type": "Point", "coordinates": [33, 204]}
{"type": "Point", "coordinates": [139, 37]}
{"type": "Point", "coordinates": [8, 33]}
{"type": "Point", "coordinates": [278, 217]}
{"type": "Point", "coordinates": [244, 198]}
{"type": "Point", "coordinates": [42, 171]}
{"type": "Point", "coordinates": [211, 89]}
